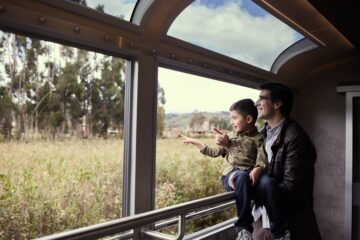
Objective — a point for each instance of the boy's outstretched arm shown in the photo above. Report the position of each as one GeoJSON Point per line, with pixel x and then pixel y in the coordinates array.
{"type": "Point", "coordinates": [187, 140]}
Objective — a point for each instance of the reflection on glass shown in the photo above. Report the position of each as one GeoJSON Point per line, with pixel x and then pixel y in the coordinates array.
{"type": "Point", "coordinates": [236, 28]}
{"type": "Point", "coordinates": [61, 128]}
{"type": "Point", "coordinates": [119, 8]}
{"type": "Point", "coordinates": [193, 106]}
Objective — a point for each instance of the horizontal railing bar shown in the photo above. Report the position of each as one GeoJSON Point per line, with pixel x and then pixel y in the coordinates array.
{"type": "Point", "coordinates": [210, 230]}
{"type": "Point", "coordinates": [193, 216]}
{"type": "Point", "coordinates": [159, 235]}
{"type": "Point", "coordinates": [172, 222]}
{"type": "Point", "coordinates": [122, 236]}
{"type": "Point", "coordinates": [123, 224]}
{"type": "Point", "coordinates": [202, 233]}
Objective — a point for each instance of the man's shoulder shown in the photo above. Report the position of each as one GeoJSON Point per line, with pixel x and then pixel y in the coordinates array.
{"type": "Point", "coordinates": [293, 129]}
{"type": "Point", "coordinates": [292, 126]}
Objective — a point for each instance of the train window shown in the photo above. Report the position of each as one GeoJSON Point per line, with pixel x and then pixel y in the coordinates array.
{"type": "Point", "coordinates": [237, 28]}
{"type": "Point", "coordinates": [192, 106]}
{"type": "Point", "coordinates": [61, 137]}
{"type": "Point", "coordinates": [121, 9]}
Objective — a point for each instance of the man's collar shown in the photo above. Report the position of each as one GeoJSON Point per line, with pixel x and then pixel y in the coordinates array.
{"type": "Point", "coordinates": [276, 127]}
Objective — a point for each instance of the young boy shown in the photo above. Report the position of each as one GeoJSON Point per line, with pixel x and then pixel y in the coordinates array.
{"type": "Point", "coordinates": [244, 160]}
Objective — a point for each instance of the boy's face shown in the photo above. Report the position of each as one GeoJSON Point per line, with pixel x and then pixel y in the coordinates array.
{"type": "Point", "coordinates": [239, 122]}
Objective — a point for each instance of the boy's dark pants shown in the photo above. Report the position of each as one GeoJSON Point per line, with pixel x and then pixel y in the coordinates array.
{"type": "Point", "coordinates": [266, 192]}
{"type": "Point", "coordinates": [243, 195]}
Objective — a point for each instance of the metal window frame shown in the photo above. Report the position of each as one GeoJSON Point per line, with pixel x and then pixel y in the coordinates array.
{"type": "Point", "coordinates": [351, 92]}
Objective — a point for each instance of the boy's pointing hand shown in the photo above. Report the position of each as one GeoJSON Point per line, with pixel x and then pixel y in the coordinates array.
{"type": "Point", "coordinates": [222, 139]}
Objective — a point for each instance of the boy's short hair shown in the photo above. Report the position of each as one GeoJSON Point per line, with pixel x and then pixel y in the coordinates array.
{"type": "Point", "coordinates": [245, 107]}
{"type": "Point", "coordinates": [280, 92]}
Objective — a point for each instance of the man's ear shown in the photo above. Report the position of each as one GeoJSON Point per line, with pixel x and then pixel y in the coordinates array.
{"type": "Point", "coordinates": [277, 104]}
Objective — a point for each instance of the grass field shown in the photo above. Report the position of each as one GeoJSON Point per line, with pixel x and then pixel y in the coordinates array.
{"type": "Point", "coordinates": [48, 187]}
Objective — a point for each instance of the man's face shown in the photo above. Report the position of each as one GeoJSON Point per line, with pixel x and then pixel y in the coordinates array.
{"type": "Point", "coordinates": [266, 108]}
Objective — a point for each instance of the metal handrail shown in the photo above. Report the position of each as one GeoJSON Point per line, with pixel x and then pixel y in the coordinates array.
{"type": "Point", "coordinates": [139, 220]}
{"type": "Point", "coordinates": [195, 215]}
{"type": "Point", "coordinates": [188, 217]}
{"type": "Point", "coordinates": [180, 234]}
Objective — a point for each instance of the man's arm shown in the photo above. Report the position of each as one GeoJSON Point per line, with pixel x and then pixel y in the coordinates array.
{"type": "Point", "coordinates": [295, 157]}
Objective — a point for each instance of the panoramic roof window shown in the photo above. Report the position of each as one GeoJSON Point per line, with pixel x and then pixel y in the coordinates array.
{"type": "Point", "coordinates": [239, 29]}
{"type": "Point", "coordinates": [120, 8]}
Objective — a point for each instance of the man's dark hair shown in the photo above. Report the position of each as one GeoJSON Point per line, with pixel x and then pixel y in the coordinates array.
{"type": "Point", "coordinates": [282, 93]}
{"type": "Point", "coordinates": [245, 107]}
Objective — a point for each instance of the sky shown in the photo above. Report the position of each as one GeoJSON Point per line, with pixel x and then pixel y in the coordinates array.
{"type": "Point", "coordinates": [239, 29]}
{"type": "Point", "coordinates": [236, 28]}
{"type": "Point", "coordinates": [185, 93]}
{"type": "Point", "coordinates": [218, 25]}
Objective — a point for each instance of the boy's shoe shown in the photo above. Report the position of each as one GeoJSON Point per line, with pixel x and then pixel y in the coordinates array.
{"type": "Point", "coordinates": [244, 235]}
{"type": "Point", "coordinates": [287, 236]}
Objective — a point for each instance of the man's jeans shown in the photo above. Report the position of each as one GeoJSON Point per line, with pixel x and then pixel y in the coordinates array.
{"type": "Point", "coordinates": [266, 192]}
{"type": "Point", "coordinates": [276, 203]}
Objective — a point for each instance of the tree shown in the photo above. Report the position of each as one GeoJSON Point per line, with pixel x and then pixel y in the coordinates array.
{"type": "Point", "coordinates": [5, 113]}
{"type": "Point", "coordinates": [197, 120]}
{"type": "Point", "coordinates": [5, 94]}
{"type": "Point", "coordinates": [81, 2]}
{"type": "Point", "coordinates": [100, 7]}
{"type": "Point", "coordinates": [107, 97]}
{"type": "Point", "coordinates": [160, 120]}
{"type": "Point", "coordinates": [220, 122]}
{"type": "Point", "coordinates": [54, 96]}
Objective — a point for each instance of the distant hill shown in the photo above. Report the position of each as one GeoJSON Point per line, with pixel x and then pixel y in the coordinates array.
{"type": "Point", "coordinates": [182, 120]}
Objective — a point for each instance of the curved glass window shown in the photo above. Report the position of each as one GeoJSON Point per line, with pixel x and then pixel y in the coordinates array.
{"type": "Point", "coordinates": [120, 8]}
{"type": "Point", "coordinates": [239, 29]}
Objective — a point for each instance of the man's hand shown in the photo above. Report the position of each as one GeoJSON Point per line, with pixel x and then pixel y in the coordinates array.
{"type": "Point", "coordinates": [222, 139]}
{"type": "Point", "coordinates": [255, 175]}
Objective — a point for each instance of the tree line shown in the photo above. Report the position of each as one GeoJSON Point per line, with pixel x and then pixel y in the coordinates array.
{"type": "Point", "coordinates": [53, 91]}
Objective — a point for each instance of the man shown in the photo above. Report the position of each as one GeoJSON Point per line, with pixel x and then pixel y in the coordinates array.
{"type": "Point", "coordinates": [287, 190]}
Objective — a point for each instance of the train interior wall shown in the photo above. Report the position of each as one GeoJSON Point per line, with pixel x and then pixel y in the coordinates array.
{"type": "Point", "coordinates": [320, 109]}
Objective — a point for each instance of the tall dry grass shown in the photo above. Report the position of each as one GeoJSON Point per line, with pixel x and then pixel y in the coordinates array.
{"type": "Point", "coordinates": [49, 187]}
{"type": "Point", "coordinates": [184, 174]}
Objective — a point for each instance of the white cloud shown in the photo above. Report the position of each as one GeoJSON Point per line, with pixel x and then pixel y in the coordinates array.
{"type": "Point", "coordinates": [233, 31]}
{"type": "Point", "coordinates": [185, 92]}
